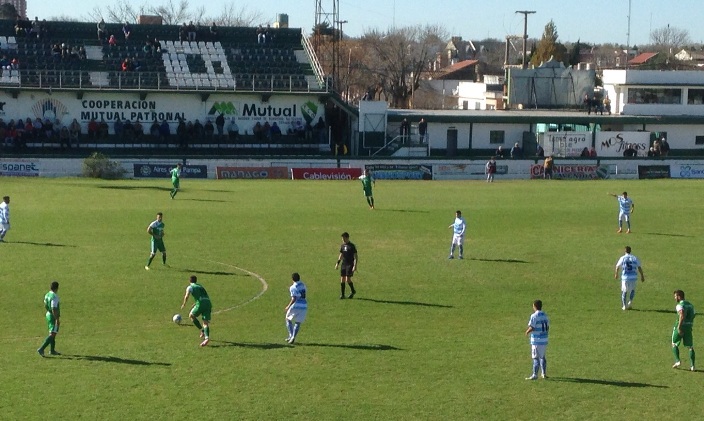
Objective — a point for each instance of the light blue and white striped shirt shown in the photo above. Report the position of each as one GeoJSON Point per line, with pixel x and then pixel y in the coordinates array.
{"type": "Point", "coordinates": [459, 226]}
{"type": "Point", "coordinates": [624, 204]}
{"type": "Point", "coordinates": [4, 213]}
{"type": "Point", "coordinates": [540, 324]}
{"type": "Point", "coordinates": [629, 265]}
{"type": "Point", "coordinates": [298, 290]}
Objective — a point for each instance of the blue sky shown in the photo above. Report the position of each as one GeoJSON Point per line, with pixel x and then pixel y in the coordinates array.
{"type": "Point", "coordinates": [594, 21]}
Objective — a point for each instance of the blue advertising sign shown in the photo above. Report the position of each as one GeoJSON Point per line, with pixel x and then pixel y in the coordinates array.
{"type": "Point", "coordinates": [401, 172]}
{"type": "Point", "coordinates": [163, 171]}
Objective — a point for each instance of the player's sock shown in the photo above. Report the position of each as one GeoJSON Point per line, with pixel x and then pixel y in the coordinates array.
{"type": "Point", "coordinates": [536, 365]}
{"type": "Point", "coordinates": [296, 328]}
{"type": "Point", "coordinates": [342, 288]}
{"type": "Point", "coordinates": [173, 194]}
{"type": "Point", "coordinates": [206, 331]}
{"type": "Point", "coordinates": [544, 366]}
{"type": "Point", "coordinates": [52, 343]}
{"type": "Point", "coordinates": [623, 299]}
{"type": "Point", "coordinates": [197, 324]}
{"type": "Point", "coordinates": [633, 294]}
{"type": "Point", "coordinates": [352, 288]}
{"type": "Point", "coordinates": [461, 250]}
{"type": "Point", "coordinates": [149, 261]}
{"type": "Point", "coordinates": [163, 258]}
{"type": "Point", "coordinates": [676, 353]}
{"type": "Point", "coordinates": [289, 327]}
{"type": "Point", "coordinates": [372, 200]}
{"type": "Point", "coordinates": [452, 250]}
{"type": "Point", "coordinates": [692, 356]}
{"type": "Point", "coordinates": [46, 342]}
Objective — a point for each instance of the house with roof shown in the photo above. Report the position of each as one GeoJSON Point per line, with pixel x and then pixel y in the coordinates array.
{"type": "Point", "coordinates": [641, 59]}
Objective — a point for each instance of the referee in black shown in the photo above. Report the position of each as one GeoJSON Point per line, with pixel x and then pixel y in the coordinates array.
{"type": "Point", "coordinates": [347, 262]}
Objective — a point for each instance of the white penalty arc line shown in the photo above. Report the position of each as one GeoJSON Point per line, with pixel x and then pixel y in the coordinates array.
{"type": "Point", "coordinates": [265, 285]}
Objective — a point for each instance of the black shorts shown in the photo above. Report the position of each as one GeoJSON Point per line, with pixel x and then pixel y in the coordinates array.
{"type": "Point", "coordinates": [346, 270]}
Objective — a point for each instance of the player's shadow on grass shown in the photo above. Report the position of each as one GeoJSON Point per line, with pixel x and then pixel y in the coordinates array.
{"type": "Point", "coordinates": [265, 346]}
{"type": "Point", "coordinates": [214, 272]}
{"type": "Point", "coordinates": [648, 310]}
{"type": "Point", "coordinates": [116, 360]}
{"type": "Point", "coordinates": [402, 210]}
{"type": "Point", "coordinates": [405, 303]}
{"type": "Point", "coordinates": [205, 200]}
{"type": "Point", "coordinates": [373, 347]}
{"type": "Point", "coordinates": [499, 260]}
{"type": "Point", "coordinates": [32, 243]}
{"type": "Point", "coordinates": [135, 188]}
{"type": "Point", "coordinates": [666, 235]}
{"type": "Point", "coordinates": [616, 383]}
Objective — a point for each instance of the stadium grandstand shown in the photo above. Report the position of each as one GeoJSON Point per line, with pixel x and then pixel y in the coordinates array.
{"type": "Point", "coordinates": [69, 72]}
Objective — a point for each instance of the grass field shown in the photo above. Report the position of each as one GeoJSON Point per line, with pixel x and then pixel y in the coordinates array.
{"type": "Point", "coordinates": [425, 338]}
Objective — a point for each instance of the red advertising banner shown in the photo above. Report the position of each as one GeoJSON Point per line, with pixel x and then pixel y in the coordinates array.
{"type": "Point", "coordinates": [325, 173]}
{"type": "Point", "coordinates": [250, 173]}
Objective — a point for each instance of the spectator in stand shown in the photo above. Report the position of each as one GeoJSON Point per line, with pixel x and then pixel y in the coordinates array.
{"type": "Point", "coordinates": [299, 129]}
{"type": "Point", "coordinates": [500, 153]}
{"type": "Point", "coordinates": [112, 41]}
{"type": "Point", "coordinates": [198, 130]}
{"type": "Point", "coordinates": [36, 30]}
{"type": "Point", "coordinates": [275, 131]}
{"type": "Point", "coordinates": [630, 151]}
{"type": "Point", "coordinates": [125, 66]}
{"type": "Point", "coordinates": [320, 131]}
{"type": "Point", "coordinates": [261, 35]}
{"type": "Point", "coordinates": [135, 64]}
{"type": "Point", "coordinates": [592, 153]}
{"type": "Point", "coordinates": [220, 124]}
{"type": "Point", "coordinates": [101, 31]}
{"type": "Point", "coordinates": [164, 131]}
{"type": "Point", "coordinates": [213, 31]}
{"type": "Point", "coordinates": [20, 138]}
{"type": "Point", "coordinates": [186, 135]}
{"type": "Point", "coordinates": [154, 130]}
{"type": "Point", "coordinates": [516, 152]}
{"type": "Point", "coordinates": [82, 53]}
{"type": "Point", "coordinates": [30, 133]}
{"type": "Point", "coordinates": [64, 138]}
{"type": "Point", "coordinates": [10, 134]}
{"type": "Point", "coordinates": [651, 152]}
{"type": "Point", "coordinates": [65, 52]}
{"type": "Point", "coordinates": [183, 33]}
{"type": "Point", "coordinates": [148, 48]}
{"type": "Point", "coordinates": [138, 131]}
{"type": "Point", "coordinates": [208, 129]}
{"type": "Point", "coordinates": [48, 128]}
{"type": "Point", "coordinates": [128, 131]}
{"type": "Point", "coordinates": [548, 167]}
{"type": "Point", "coordinates": [540, 152]}
{"type": "Point", "coordinates": [56, 52]}
{"type": "Point", "coordinates": [127, 30]}
{"type": "Point", "coordinates": [75, 132]}
{"type": "Point", "coordinates": [585, 153]}
{"type": "Point", "coordinates": [103, 130]}
{"type": "Point", "coordinates": [405, 130]}
{"type": "Point", "coordinates": [74, 55]}
{"type": "Point", "coordinates": [266, 129]}
{"type": "Point", "coordinates": [233, 131]}
{"type": "Point", "coordinates": [93, 129]}
{"type": "Point", "coordinates": [664, 147]}
{"type": "Point", "coordinates": [422, 130]}
{"type": "Point", "coordinates": [156, 46]}
{"type": "Point", "coordinates": [57, 128]}
{"type": "Point", "coordinates": [607, 105]}
{"type": "Point", "coordinates": [657, 145]}
{"type": "Point", "coordinates": [257, 132]}
{"type": "Point", "coordinates": [118, 128]}
{"type": "Point", "coordinates": [191, 29]}
{"type": "Point", "coordinates": [309, 131]}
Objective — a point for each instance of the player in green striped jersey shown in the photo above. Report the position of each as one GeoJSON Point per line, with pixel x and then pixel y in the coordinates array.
{"type": "Point", "coordinates": [156, 230]}
{"type": "Point", "coordinates": [176, 179]}
{"type": "Point", "coordinates": [367, 181]}
{"type": "Point", "coordinates": [53, 313]}
{"type": "Point", "coordinates": [682, 332]}
{"type": "Point", "coordinates": [201, 307]}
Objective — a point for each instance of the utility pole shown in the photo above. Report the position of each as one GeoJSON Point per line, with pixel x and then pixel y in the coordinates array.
{"type": "Point", "coordinates": [525, 14]}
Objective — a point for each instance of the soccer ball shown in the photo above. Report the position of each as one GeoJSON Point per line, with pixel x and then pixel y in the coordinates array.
{"type": "Point", "coordinates": [177, 318]}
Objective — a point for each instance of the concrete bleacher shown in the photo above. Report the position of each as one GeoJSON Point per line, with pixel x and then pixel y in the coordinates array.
{"type": "Point", "coordinates": [232, 60]}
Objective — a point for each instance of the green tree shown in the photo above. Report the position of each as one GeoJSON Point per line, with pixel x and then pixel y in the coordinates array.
{"type": "Point", "coordinates": [548, 47]}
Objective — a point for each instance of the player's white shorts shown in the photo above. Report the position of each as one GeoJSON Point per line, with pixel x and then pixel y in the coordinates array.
{"type": "Point", "coordinates": [458, 239]}
{"type": "Point", "coordinates": [537, 351]}
{"type": "Point", "coordinates": [296, 314]}
{"type": "Point", "coordinates": [5, 227]}
{"type": "Point", "coordinates": [624, 216]}
{"type": "Point", "coordinates": [628, 286]}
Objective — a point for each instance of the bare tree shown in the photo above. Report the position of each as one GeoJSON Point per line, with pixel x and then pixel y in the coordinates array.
{"type": "Point", "coordinates": [669, 38]}
{"type": "Point", "coordinates": [173, 12]}
{"type": "Point", "coordinates": [397, 59]}
{"type": "Point", "coordinates": [231, 15]}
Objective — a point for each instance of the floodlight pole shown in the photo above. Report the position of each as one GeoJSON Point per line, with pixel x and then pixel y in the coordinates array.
{"type": "Point", "coordinates": [525, 14]}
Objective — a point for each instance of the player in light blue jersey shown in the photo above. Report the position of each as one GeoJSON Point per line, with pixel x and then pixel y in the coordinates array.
{"type": "Point", "coordinates": [297, 308]}
{"type": "Point", "coordinates": [625, 209]}
{"type": "Point", "coordinates": [538, 328]}
{"type": "Point", "coordinates": [630, 267]}
{"type": "Point", "coordinates": [4, 217]}
{"type": "Point", "coordinates": [458, 229]}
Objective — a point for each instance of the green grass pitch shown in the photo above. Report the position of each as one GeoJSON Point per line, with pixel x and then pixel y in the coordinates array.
{"type": "Point", "coordinates": [424, 339]}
